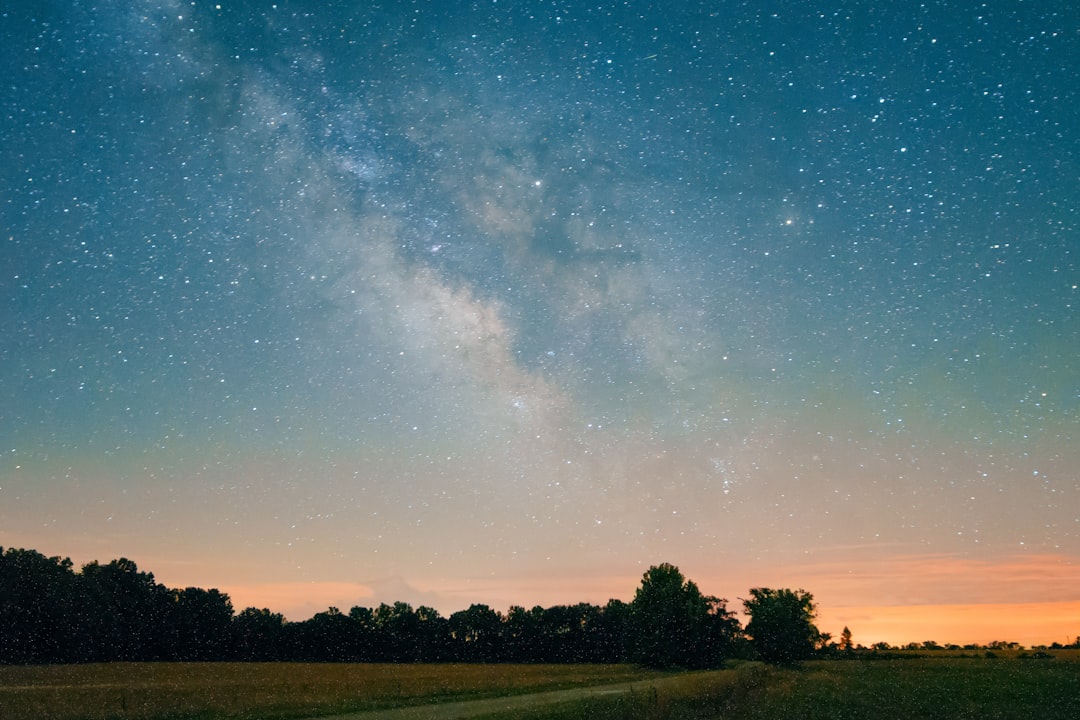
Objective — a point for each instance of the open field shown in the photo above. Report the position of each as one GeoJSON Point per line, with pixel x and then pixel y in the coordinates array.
{"type": "Point", "coordinates": [268, 691]}
{"type": "Point", "coordinates": [925, 688]}
{"type": "Point", "coordinates": [949, 689]}
{"type": "Point", "coordinates": [929, 687]}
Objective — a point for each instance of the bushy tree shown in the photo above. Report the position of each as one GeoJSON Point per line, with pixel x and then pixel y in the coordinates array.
{"type": "Point", "coordinates": [432, 635]}
{"type": "Point", "coordinates": [612, 641]}
{"type": "Point", "coordinates": [38, 611]}
{"type": "Point", "coordinates": [674, 625]}
{"type": "Point", "coordinates": [258, 634]}
{"type": "Point", "coordinates": [201, 624]}
{"type": "Point", "coordinates": [476, 634]}
{"type": "Point", "coordinates": [523, 636]}
{"type": "Point", "coordinates": [126, 613]}
{"type": "Point", "coordinates": [781, 624]}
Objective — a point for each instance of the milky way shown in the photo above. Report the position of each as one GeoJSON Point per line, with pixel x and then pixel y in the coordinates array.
{"type": "Point", "coordinates": [492, 301]}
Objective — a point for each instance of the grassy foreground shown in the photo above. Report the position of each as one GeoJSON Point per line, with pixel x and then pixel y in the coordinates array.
{"type": "Point", "coordinates": [269, 691]}
{"type": "Point", "coordinates": [924, 688]}
{"type": "Point", "coordinates": [930, 688]}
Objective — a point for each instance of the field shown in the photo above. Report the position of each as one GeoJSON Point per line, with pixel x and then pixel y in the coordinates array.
{"type": "Point", "coordinates": [949, 689]}
{"type": "Point", "coordinates": [268, 691]}
{"type": "Point", "coordinates": [937, 686]}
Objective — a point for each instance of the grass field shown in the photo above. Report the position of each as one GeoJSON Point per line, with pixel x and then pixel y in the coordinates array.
{"type": "Point", "coordinates": [929, 689]}
{"type": "Point", "coordinates": [268, 691]}
{"type": "Point", "coordinates": [932, 687]}
{"type": "Point", "coordinates": [937, 687]}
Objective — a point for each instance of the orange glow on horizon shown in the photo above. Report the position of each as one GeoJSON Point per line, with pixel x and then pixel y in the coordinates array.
{"type": "Point", "coordinates": [1029, 624]}
{"type": "Point", "coordinates": [881, 597]}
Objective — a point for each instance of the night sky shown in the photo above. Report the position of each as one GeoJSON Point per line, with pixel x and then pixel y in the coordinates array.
{"type": "Point", "coordinates": [338, 303]}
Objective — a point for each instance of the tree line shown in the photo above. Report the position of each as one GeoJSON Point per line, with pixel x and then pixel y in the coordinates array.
{"type": "Point", "coordinates": [50, 613]}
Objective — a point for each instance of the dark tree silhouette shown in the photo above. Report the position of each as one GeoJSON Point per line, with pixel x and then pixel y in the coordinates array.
{"type": "Point", "coordinates": [523, 638]}
{"type": "Point", "coordinates": [782, 624]}
{"type": "Point", "coordinates": [325, 637]}
{"type": "Point", "coordinates": [476, 634]}
{"type": "Point", "coordinates": [258, 635]}
{"type": "Point", "coordinates": [674, 625]}
{"type": "Point", "coordinates": [129, 612]}
{"type": "Point", "coordinates": [432, 635]}
{"type": "Point", "coordinates": [612, 638]}
{"type": "Point", "coordinates": [201, 623]}
{"type": "Point", "coordinates": [38, 608]}
{"type": "Point", "coordinates": [845, 639]}
{"type": "Point", "coordinates": [399, 628]}
{"type": "Point", "coordinates": [567, 632]}
{"type": "Point", "coordinates": [368, 647]}
{"type": "Point", "coordinates": [114, 611]}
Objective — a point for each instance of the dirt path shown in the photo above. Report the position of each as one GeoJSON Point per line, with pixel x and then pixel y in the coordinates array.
{"type": "Point", "coordinates": [488, 706]}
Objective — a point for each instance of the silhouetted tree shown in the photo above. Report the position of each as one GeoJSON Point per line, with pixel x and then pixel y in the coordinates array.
{"type": "Point", "coordinates": [476, 634]}
{"type": "Point", "coordinates": [258, 635]}
{"type": "Point", "coordinates": [523, 640]}
{"type": "Point", "coordinates": [113, 611]}
{"type": "Point", "coordinates": [782, 624]}
{"type": "Point", "coordinates": [567, 633]}
{"type": "Point", "coordinates": [201, 624]}
{"type": "Point", "coordinates": [325, 637]}
{"type": "Point", "coordinates": [399, 630]}
{"type": "Point", "coordinates": [367, 645]}
{"type": "Point", "coordinates": [612, 637]}
{"type": "Point", "coordinates": [38, 608]}
{"type": "Point", "coordinates": [597, 645]}
{"type": "Point", "coordinates": [126, 612]}
{"type": "Point", "coordinates": [719, 633]}
{"type": "Point", "coordinates": [432, 635]}
{"type": "Point", "coordinates": [674, 625]}
{"type": "Point", "coordinates": [845, 639]}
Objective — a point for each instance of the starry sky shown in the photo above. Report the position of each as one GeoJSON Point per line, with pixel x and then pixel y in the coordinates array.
{"type": "Point", "coordinates": [340, 303]}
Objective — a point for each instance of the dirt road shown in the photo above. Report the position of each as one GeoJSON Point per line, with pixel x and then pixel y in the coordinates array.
{"type": "Point", "coordinates": [488, 706]}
